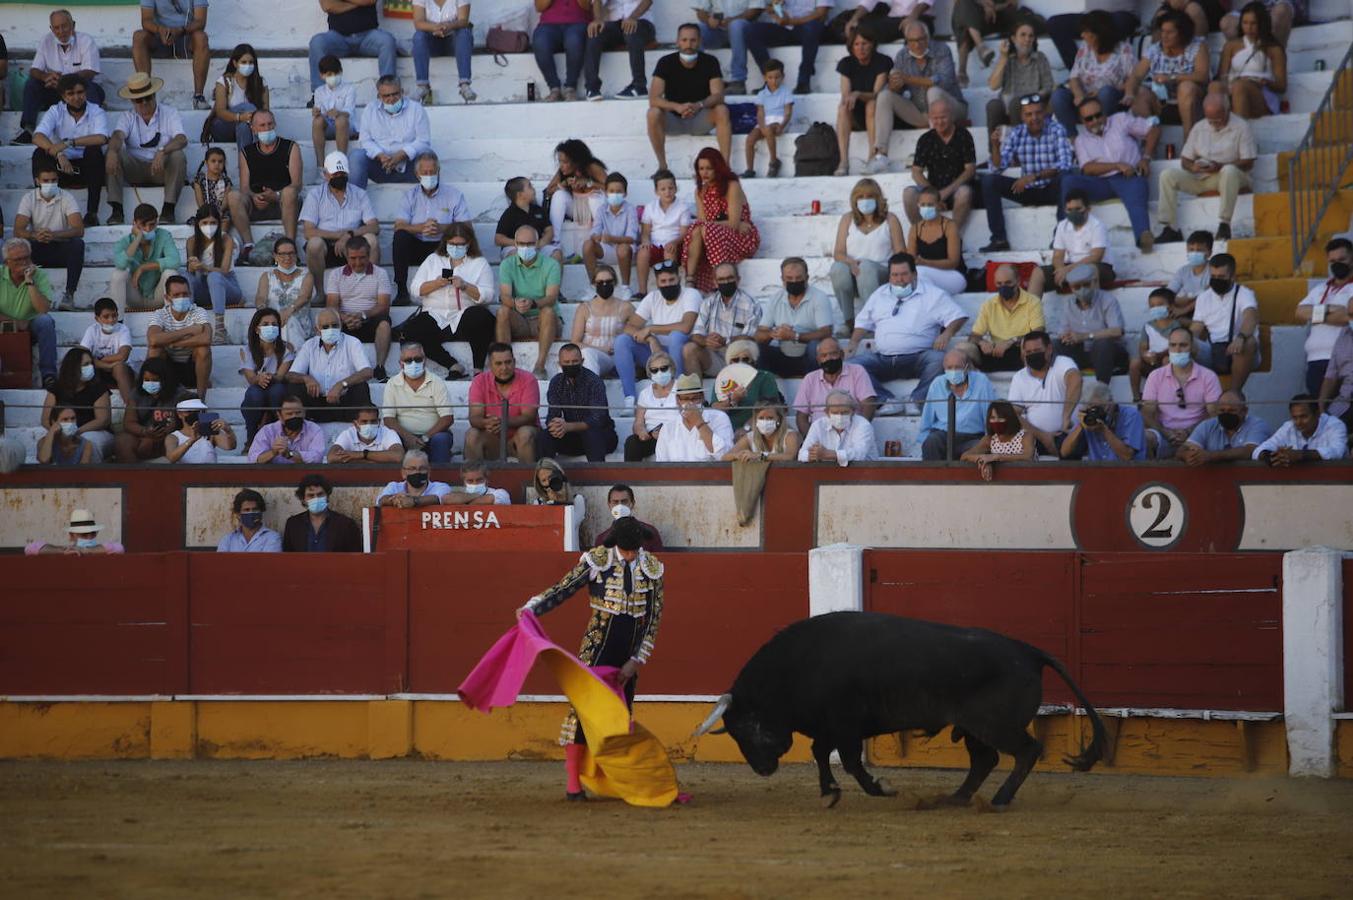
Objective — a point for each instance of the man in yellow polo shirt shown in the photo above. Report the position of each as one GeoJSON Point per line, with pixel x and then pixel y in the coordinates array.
{"type": "Point", "coordinates": [1005, 317]}
{"type": "Point", "coordinates": [417, 406]}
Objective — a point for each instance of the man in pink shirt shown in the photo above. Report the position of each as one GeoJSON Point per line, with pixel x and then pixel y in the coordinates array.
{"type": "Point", "coordinates": [1179, 396]}
{"type": "Point", "coordinates": [833, 374]}
{"type": "Point", "coordinates": [1113, 163]}
{"type": "Point", "coordinates": [84, 540]}
{"type": "Point", "coordinates": [501, 381]}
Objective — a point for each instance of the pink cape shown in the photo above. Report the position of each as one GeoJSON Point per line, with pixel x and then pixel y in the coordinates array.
{"type": "Point", "coordinates": [624, 759]}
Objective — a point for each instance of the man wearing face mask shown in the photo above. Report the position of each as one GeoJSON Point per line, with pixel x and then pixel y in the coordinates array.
{"type": "Point", "coordinates": [912, 323]}
{"type": "Point", "coordinates": [1106, 432]}
{"type": "Point", "coordinates": [578, 420]}
{"type": "Point", "coordinates": [366, 441]}
{"type": "Point", "coordinates": [417, 488]}
{"type": "Point", "coordinates": [1091, 325]}
{"type": "Point", "coordinates": [271, 177]}
{"type": "Point", "coordinates": [62, 53]}
{"type": "Point", "coordinates": [841, 436]}
{"type": "Point", "coordinates": [621, 503]}
{"type": "Point", "coordinates": [1046, 392]}
{"type": "Point", "coordinates": [289, 440]}
{"type": "Point", "coordinates": [72, 135]}
{"type": "Point", "coordinates": [1005, 317]}
{"type": "Point", "coordinates": [1115, 150]}
{"type": "Point", "coordinates": [528, 291]}
{"type": "Point", "coordinates": [794, 320]}
{"type": "Point", "coordinates": [727, 314]}
{"type": "Point", "coordinates": [474, 488]}
{"type": "Point", "coordinates": [498, 384]}
{"type": "Point", "coordinates": [49, 219]}
{"type": "Point", "coordinates": [424, 213]}
{"type": "Point", "coordinates": [83, 533]}
{"type": "Point", "coordinates": [1079, 239]}
{"type": "Point", "coordinates": [394, 131]}
{"type": "Point", "coordinates": [687, 96]}
{"type": "Point", "coordinates": [1325, 309]}
{"type": "Point", "coordinates": [698, 434]}
{"type": "Point", "coordinates": [180, 331]}
{"type": "Point", "coordinates": [144, 260]}
{"type": "Point", "coordinates": [1177, 397]}
{"type": "Point", "coordinates": [250, 535]}
{"type": "Point", "coordinates": [1230, 435]}
{"type": "Point", "coordinates": [334, 213]}
{"type": "Point", "coordinates": [832, 374]}
{"type": "Point", "coordinates": [330, 371]}
{"type": "Point", "coordinates": [1226, 320]}
{"type": "Point", "coordinates": [662, 321]}
{"type": "Point", "coordinates": [973, 391]}
{"type": "Point", "coordinates": [417, 405]}
{"type": "Point", "coordinates": [319, 529]}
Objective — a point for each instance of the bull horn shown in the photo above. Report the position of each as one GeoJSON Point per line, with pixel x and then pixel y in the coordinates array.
{"type": "Point", "coordinates": [720, 708]}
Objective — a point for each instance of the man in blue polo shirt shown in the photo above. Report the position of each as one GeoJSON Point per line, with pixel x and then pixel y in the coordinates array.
{"type": "Point", "coordinates": [1231, 434]}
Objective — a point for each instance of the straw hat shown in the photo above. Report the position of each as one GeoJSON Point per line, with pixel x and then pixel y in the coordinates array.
{"type": "Point", "coordinates": [689, 382]}
{"type": "Point", "coordinates": [140, 85]}
{"type": "Point", "coordinates": [82, 522]}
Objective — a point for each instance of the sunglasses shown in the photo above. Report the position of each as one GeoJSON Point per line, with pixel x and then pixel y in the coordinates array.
{"type": "Point", "coordinates": [1030, 98]}
{"type": "Point", "coordinates": [656, 369]}
{"type": "Point", "coordinates": [666, 265]}
{"type": "Point", "coordinates": [1179, 397]}
{"type": "Point", "coordinates": [1092, 117]}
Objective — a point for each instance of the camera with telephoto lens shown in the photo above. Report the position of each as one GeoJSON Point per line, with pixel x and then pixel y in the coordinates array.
{"type": "Point", "coordinates": [1094, 415]}
{"type": "Point", "coordinates": [556, 482]}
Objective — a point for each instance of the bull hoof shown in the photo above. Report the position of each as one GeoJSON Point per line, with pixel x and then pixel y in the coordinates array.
{"type": "Point", "coordinates": [831, 798]}
{"type": "Point", "coordinates": [885, 789]}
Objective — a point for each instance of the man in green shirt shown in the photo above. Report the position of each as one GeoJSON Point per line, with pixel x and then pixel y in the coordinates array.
{"type": "Point", "coordinates": [144, 259]}
{"type": "Point", "coordinates": [528, 288]}
{"type": "Point", "coordinates": [25, 304]}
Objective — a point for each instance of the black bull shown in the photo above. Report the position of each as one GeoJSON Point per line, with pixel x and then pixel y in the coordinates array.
{"type": "Point", "coordinates": [843, 677]}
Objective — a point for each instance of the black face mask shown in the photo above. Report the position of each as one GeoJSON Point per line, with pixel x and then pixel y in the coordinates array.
{"type": "Point", "coordinates": [605, 289]}
{"type": "Point", "coordinates": [251, 520]}
{"type": "Point", "coordinates": [670, 291]}
{"type": "Point", "coordinates": [1008, 291]}
{"type": "Point", "coordinates": [796, 288]}
{"type": "Point", "coordinates": [339, 182]}
{"type": "Point", "coordinates": [1037, 361]}
{"type": "Point", "coordinates": [729, 288]}
{"type": "Point", "coordinates": [572, 371]}
{"type": "Point", "coordinates": [417, 480]}
{"type": "Point", "coordinates": [1228, 420]}
{"type": "Point", "coordinates": [293, 425]}
{"type": "Point", "coordinates": [832, 366]}
{"type": "Point", "coordinates": [1340, 271]}
{"type": "Point", "coordinates": [1219, 285]}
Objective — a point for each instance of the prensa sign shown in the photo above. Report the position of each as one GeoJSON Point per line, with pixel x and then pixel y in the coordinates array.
{"type": "Point", "coordinates": [470, 528]}
{"type": "Point", "coordinates": [476, 518]}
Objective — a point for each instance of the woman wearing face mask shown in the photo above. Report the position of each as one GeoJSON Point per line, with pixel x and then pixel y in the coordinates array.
{"type": "Point", "coordinates": [79, 387]}
{"type": "Point", "coordinates": [770, 436]}
{"type": "Point", "coordinates": [1021, 70]}
{"type": "Point", "coordinates": [149, 416]}
{"type": "Point", "coordinates": [656, 407]}
{"type": "Point", "coordinates": [237, 95]}
{"type": "Point", "coordinates": [455, 285]}
{"type": "Point", "coordinates": [1005, 441]}
{"type": "Point", "coordinates": [937, 245]}
{"type": "Point", "coordinates": [740, 400]}
{"type": "Point", "coordinates": [196, 441]}
{"type": "Point", "coordinates": [287, 288]}
{"type": "Point", "coordinates": [865, 238]}
{"type": "Point", "coordinates": [552, 488]}
{"type": "Point", "coordinates": [597, 322]}
{"type": "Point", "coordinates": [265, 368]}
{"type": "Point", "coordinates": [210, 251]}
{"type": "Point", "coordinates": [63, 445]}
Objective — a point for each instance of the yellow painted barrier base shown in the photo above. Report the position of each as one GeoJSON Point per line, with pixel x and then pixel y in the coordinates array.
{"type": "Point", "coordinates": [446, 730]}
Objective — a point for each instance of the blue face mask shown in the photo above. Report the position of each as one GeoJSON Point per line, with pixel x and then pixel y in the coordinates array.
{"type": "Point", "coordinates": [181, 304]}
{"type": "Point", "coordinates": [928, 212]}
{"type": "Point", "coordinates": [457, 251]}
{"type": "Point", "coordinates": [329, 335]}
{"type": "Point", "coordinates": [1156, 313]}
{"type": "Point", "coordinates": [251, 520]}
{"type": "Point", "coordinates": [318, 504]}
{"type": "Point", "coordinates": [1181, 359]}
{"type": "Point", "coordinates": [1197, 258]}
{"type": "Point", "coordinates": [393, 108]}
{"type": "Point", "coordinates": [527, 254]}
{"type": "Point", "coordinates": [86, 543]}
{"type": "Point", "coordinates": [268, 332]}
{"type": "Point", "coordinates": [150, 387]}
{"type": "Point", "coordinates": [902, 291]}
{"type": "Point", "coordinates": [413, 369]}
{"type": "Point", "coordinates": [956, 376]}
{"type": "Point", "coordinates": [267, 137]}
{"type": "Point", "coordinates": [689, 57]}
{"type": "Point", "coordinates": [367, 431]}
{"type": "Point", "coordinates": [867, 206]}
{"type": "Point", "coordinates": [69, 428]}
{"type": "Point", "coordinates": [87, 373]}
{"type": "Point", "coordinates": [615, 199]}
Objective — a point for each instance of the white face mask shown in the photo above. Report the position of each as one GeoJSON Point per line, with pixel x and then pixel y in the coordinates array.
{"type": "Point", "coordinates": [480, 488]}
{"type": "Point", "coordinates": [333, 81]}
{"type": "Point", "coordinates": [767, 426]}
{"type": "Point", "coordinates": [368, 431]}
{"type": "Point", "coordinates": [245, 69]}
{"type": "Point", "coordinates": [49, 189]}
{"type": "Point", "coordinates": [839, 421]}
{"type": "Point", "coordinates": [429, 182]}
{"type": "Point", "coordinates": [108, 329]}
{"type": "Point", "coordinates": [620, 511]}
{"type": "Point", "coordinates": [208, 231]}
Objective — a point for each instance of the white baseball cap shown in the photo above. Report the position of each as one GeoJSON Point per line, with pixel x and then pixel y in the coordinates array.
{"type": "Point", "coordinates": [335, 162]}
{"type": "Point", "coordinates": [190, 404]}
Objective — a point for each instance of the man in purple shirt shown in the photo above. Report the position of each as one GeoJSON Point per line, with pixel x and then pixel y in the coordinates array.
{"type": "Point", "coordinates": [833, 374]}
{"type": "Point", "coordinates": [291, 439]}
{"type": "Point", "coordinates": [1114, 163]}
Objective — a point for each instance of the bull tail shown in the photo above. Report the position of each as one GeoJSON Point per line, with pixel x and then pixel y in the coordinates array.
{"type": "Point", "coordinates": [1088, 756]}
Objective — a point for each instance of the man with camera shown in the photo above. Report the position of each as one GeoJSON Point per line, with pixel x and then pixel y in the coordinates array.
{"type": "Point", "coordinates": [1106, 431]}
{"type": "Point", "coordinates": [291, 439]}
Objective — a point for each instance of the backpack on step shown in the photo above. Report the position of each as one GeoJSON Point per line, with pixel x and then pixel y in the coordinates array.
{"type": "Point", "coordinates": [815, 151]}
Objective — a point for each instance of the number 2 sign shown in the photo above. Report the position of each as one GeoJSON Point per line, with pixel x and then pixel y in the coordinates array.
{"type": "Point", "coordinates": [1156, 516]}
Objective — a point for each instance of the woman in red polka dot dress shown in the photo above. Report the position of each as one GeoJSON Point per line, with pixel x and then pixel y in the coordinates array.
{"type": "Point", "coordinates": [711, 240]}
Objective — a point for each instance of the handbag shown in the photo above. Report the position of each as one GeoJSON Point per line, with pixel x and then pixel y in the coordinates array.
{"type": "Point", "coordinates": [502, 40]}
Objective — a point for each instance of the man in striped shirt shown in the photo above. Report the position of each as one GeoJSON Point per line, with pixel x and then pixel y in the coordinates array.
{"type": "Point", "coordinates": [1040, 148]}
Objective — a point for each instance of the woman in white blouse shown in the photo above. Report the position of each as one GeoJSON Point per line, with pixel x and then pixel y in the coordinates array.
{"type": "Point", "coordinates": [442, 28]}
{"type": "Point", "coordinates": [597, 322]}
{"type": "Point", "coordinates": [657, 406]}
{"type": "Point", "coordinates": [237, 95]}
{"type": "Point", "coordinates": [454, 286]}
{"type": "Point", "coordinates": [865, 238]}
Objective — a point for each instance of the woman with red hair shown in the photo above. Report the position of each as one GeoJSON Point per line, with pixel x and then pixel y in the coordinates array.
{"type": "Point", "coordinates": [712, 239]}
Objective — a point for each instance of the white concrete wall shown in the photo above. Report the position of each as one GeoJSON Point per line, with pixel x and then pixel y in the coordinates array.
{"type": "Point", "coordinates": [43, 513]}
{"type": "Point", "coordinates": [1289, 516]}
{"type": "Point", "coordinates": [836, 579]}
{"type": "Point", "coordinates": [1313, 658]}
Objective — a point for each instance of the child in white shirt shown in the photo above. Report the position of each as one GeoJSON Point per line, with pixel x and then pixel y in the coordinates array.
{"type": "Point", "coordinates": [662, 226]}
{"type": "Point", "coordinates": [335, 109]}
{"type": "Point", "coordinates": [110, 343]}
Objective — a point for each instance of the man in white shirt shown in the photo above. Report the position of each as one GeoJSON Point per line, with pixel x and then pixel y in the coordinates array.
{"type": "Point", "coordinates": [147, 148]}
{"type": "Point", "coordinates": [180, 331]}
{"type": "Point", "coordinates": [912, 322]}
{"type": "Point", "coordinates": [360, 293]}
{"type": "Point", "coordinates": [423, 215]}
{"type": "Point", "coordinates": [49, 219]}
{"type": "Point", "coordinates": [1046, 392]}
{"type": "Point", "coordinates": [1079, 239]}
{"type": "Point", "coordinates": [1309, 436]}
{"type": "Point", "coordinates": [796, 317]}
{"type": "Point", "coordinates": [840, 436]}
{"type": "Point", "coordinates": [394, 131]}
{"type": "Point", "coordinates": [474, 489]}
{"type": "Point", "coordinates": [1325, 309]}
{"type": "Point", "coordinates": [699, 434]}
{"type": "Point", "coordinates": [1218, 155]}
{"type": "Point", "coordinates": [72, 135]}
{"type": "Point", "coordinates": [64, 51]}
{"type": "Point", "coordinates": [1226, 319]}
{"type": "Point", "coordinates": [366, 441]}
{"type": "Point", "coordinates": [662, 321]}
{"type": "Point", "coordinates": [330, 370]}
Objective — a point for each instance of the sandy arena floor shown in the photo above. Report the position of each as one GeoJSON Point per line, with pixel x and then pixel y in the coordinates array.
{"type": "Point", "coordinates": [425, 829]}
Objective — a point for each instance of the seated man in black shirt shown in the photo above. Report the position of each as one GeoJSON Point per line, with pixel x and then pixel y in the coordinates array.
{"type": "Point", "coordinates": [270, 182]}
{"type": "Point", "coordinates": [686, 96]}
{"type": "Point", "coordinates": [522, 209]}
{"type": "Point", "coordinates": [946, 159]}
